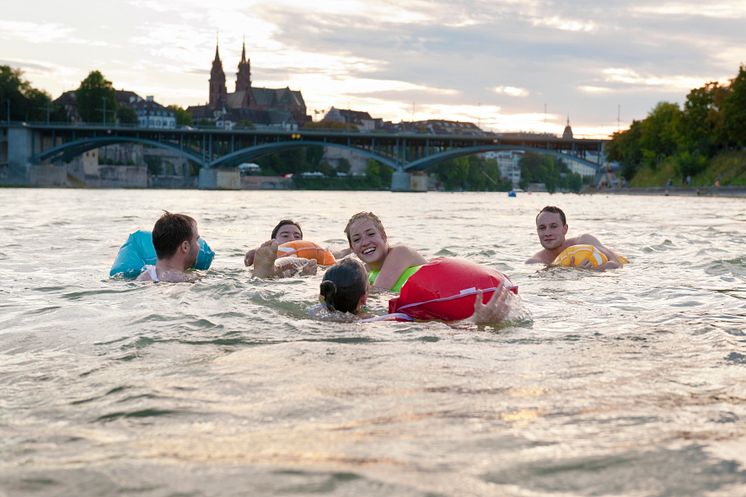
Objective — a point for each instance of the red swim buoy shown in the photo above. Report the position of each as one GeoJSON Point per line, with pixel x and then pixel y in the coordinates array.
{"type": "Point", "coordinates": [445, 289]}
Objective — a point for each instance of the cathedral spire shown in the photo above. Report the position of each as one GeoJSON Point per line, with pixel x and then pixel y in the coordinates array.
{"type": "Point", "coordinates": [243, 76]}
{"type": "Point", "coordinates": [218, 91]}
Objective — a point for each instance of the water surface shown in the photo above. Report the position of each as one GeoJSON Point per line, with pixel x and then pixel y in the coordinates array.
{"type": "Point", "coordinates": [626, 383]}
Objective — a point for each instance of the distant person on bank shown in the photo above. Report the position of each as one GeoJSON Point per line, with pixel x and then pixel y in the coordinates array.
{"type": "Point", "coordinates": [176, 242]}
{"type": "Point", "coordinates": [551, 226]}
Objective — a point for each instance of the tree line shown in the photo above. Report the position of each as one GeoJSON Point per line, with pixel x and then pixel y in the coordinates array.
{"type": "Point", "coordinates": [712, 121]}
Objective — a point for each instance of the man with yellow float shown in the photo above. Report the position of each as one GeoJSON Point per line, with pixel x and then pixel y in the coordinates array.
{"type": "Point", "coordinates": [584, 251]}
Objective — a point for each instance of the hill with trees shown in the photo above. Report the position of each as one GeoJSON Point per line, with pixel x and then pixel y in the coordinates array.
{"type": "Point", "coordinates": [699, 144]}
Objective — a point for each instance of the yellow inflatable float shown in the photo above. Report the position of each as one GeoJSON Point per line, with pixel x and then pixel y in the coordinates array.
{"type": "Point", "coordinates": [582, 253]}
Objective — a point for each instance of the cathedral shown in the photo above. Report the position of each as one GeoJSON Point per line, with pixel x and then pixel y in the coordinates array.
{"type": "Point", "coordinates": [264, 106]}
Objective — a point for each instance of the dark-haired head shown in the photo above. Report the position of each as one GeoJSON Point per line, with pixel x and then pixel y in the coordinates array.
{"type": "Point", "coordinates": [344, 285]}
{"type": "Point", "coordinates": [286, 222]}
{"type": "Point", "coordinates": [555, 210]}
{"type": "Point", "coordinates": [170, 231]}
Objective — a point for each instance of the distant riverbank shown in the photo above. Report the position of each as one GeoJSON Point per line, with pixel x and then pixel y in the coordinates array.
{"type": "Point", "coordinates": [722, 191]}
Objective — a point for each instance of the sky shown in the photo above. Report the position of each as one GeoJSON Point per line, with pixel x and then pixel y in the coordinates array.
{"type": "Point", "coordinates": [505, 65]}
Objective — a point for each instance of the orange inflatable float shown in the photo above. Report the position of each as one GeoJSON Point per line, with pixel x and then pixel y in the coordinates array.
{"type": "Point", "coordinates": [445, 289]}
{"type": "Point", "coordinates": [306, 250]}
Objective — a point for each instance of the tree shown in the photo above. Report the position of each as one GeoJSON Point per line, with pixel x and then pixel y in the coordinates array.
{"type": "Point", "coordinates": [734, 110]}
{"type": "Point", "coordinates": [701, 121]}
{"type": "Point", "coordinates": [660, 133]}
{"type": "Point", "coordinates": [183, 117]}
{"type": "Point", "coordinates": [344, 166]}
{"type": "Point", "coordinates": [125, 115]}
{"type": "Point", "coordinates": [24, 102]}
{"type": "Point", "coordinates": [96, 99]}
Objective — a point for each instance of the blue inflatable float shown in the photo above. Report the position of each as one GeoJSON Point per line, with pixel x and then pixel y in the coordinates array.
{"type": "Point", "coordinates": [138, 251]}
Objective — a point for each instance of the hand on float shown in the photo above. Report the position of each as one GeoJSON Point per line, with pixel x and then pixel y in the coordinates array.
{"type": "Point", "coordinates": [248, 259]}
{"type": "Point", "coordinates": [495, 310]}
{"type": "Point", "coordinates": [264, 259]}
{"type": "Point", "coordinates": [609, 265]}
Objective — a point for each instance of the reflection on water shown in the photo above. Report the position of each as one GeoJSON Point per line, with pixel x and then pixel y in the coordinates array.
{"type": "Point", "coordinates": [626, 383]}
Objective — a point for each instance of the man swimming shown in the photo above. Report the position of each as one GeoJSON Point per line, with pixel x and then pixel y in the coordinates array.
{"type": "Point", "coordinates": [176, 243]}
{"type": "Point", "coordinates": [551, 226]}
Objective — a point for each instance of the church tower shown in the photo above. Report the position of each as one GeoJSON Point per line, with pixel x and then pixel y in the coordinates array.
{"type": "Point", "coordinates": [243, 76]}
{"type": "Point", "coordinates": [567, 133]}
{"type": "Point", "coordinates": [218, 91]}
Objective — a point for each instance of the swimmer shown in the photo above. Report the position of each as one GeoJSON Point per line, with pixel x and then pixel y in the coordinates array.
{"type": "Point", "coordinates": [268, 265]}
{"type": "Point", "coordinates": [176, 243]}
{"type": "Point", "coordinates": [345, 287]}
{"type": "Point", "coordinates": [287, 230]}
{"type": "Point", "coordinates": [388, 266]}
{"type": "Point", "coordinates": [551, 226]}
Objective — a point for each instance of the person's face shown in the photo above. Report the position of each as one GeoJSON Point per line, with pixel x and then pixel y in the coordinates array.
{"type": "Point", "coordinates": [550, 229]}
{"type": "Point", "coordinates": [288, 233]}
{"type": "Point", "coordinates": [367, 242]}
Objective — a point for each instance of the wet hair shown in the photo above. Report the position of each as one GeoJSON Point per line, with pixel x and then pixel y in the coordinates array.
{"type": "Point", "coordinates": [364, 215]}
{"type": "Point", "coordinates": [169, 231]}
{"type": "Point", "coordinates": [283, 223]}
{"type": "Point", "coordinates": [555, 210]}
{"type": "Point", "coordinates": [343, 285]}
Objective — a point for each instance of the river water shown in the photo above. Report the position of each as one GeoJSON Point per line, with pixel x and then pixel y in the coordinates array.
{"type": "Point", "coordinates": [624, 383]}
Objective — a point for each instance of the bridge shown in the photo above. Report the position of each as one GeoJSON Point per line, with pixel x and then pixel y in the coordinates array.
{"type": "Point", "coordinates": [214, 149]}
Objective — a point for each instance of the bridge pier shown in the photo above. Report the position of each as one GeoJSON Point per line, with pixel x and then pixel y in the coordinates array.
{"type": "Point", "coordinates": [20, 149]}
{"type": "Point", "coordinates": [400, 181]}
{"type": "Point", "coordinates": [219, 179]}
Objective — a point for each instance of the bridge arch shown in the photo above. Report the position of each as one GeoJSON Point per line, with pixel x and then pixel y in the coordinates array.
{"type": "Point", "coordinates": [250, 153]}
{"type": "Point", "coordinates": [70, 150]}
{"type": "Point", "coordinates": [431, 160]}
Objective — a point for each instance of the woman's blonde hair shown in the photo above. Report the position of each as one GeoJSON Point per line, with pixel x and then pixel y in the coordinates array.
{"type": "Point", "coordinates": [365, 215]}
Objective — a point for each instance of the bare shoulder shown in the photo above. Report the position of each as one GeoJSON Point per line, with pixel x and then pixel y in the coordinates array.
{"type": "Point", "coordinates": [540, 257]}
{"type": "Point", "coordinates": [403, 252]}
{"type": "Point", "coordinates": [144, 276]}
{"type": "Point", "coordinates": [584, 239]}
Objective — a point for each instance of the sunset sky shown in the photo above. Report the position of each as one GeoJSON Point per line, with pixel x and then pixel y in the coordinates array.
{"type": "Point", "coordinates": [505, 65]}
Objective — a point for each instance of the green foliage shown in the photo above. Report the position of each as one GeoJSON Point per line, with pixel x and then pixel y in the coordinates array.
{"type": "Point", "coordinates": [344, 166]}
{"type": "Point", "coordinates": [734, 110]}
{"type": "Point", "coordinates": [183, 117]}
{"type": "Point", "coordinates": [660, 133]}
{"type": "Point", "coordinates": [126, 115]}
{"type": "Point", "coordinates": [472, 173]}
{"type": "Point", "coordinates": [685, 142]}
{"type": "Point", "coordinates": [96, 99]}
{"type": "Point", "coordinates": [24, 102]}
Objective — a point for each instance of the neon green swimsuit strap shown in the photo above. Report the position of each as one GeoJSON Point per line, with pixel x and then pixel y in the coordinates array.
{"type": "Point", "coordinates": [373, 274]}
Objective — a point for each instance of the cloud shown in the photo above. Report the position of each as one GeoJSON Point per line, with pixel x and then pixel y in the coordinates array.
{"type": "Point", "coordinates": [670, 83]}
{"type": "Point", "coordinates": [511, 91]}
{"type": "Point", "coordinates": [34, 32]}
{"type": "Point", "coordinates": [564, 24]}
{"type": "Point", "coordinates": [715, 9]}
{"type": "Point", "coordinates": [594, 89]}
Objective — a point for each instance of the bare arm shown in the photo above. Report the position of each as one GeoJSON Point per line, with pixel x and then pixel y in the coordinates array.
{"type": "Point", "coordinates": [613, 262]}
{"type": "Point", "coordinates": [397, 260]}
{"type": "Point", "coordinates": [342, 253]}
{"type": "Point", "coordinates": [265, 266]}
